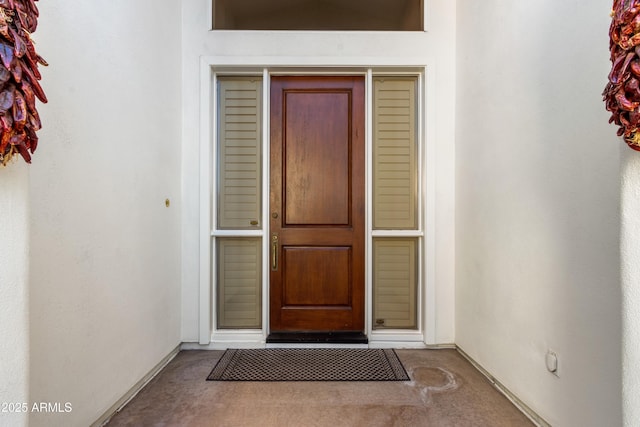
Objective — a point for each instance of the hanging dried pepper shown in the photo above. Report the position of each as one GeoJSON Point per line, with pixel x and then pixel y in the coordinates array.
{"type": "Point", "coordinates": [19, 75]}
{"type": "Point", "coordinates": [622, 93]}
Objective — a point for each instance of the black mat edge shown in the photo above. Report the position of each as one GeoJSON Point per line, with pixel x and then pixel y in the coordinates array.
{"type": "Point", "coordinates": [222, 364]}
{"type": "Point", "coordinates": [226, 361]}
{"type": "Point", "coordinates": [398, 366]}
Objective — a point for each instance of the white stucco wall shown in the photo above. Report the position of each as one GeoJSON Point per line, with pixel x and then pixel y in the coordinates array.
{"type": "Point", "coordinates": [630, 254]}
{"type": "Point", "coordinates": [105, 251]}
{"type": "Point", "coordinates": [537, 205]}
{"type": "Point", "coordinates": [14, 275]}
{"type": "Point", "coordinates": [435, 48]}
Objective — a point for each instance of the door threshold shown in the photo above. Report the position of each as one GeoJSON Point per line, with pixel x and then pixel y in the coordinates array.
{"type": "Point", "coordinates": [317, 338]}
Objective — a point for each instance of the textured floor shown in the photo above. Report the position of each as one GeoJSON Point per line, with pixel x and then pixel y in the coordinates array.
{"type": "Point", "coordinates": [445, 391]}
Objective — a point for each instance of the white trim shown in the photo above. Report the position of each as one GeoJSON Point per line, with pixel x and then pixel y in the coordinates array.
{"type": "Point", "coordinates": [237, 233]}
{"type": "Point", "coordinates": [313, 71]}
{"type": "Point", "coordinates": [418, 345]}
{"type": "Point", "coordinates": [233, 338]}
{"type": "Point", "coordinates": [426, 16]}
{"type": "Point", "coordinates": [368, 220]}
{"type": "Point", "coordinates": [213, 206]}
{"type": "Point", "coordinates": [266, 208]}
{"type": "Point", "coordinates": [422, 206]}
{"type": "Point", "coordinates": [299, 62]}
{"type": "Point", "coordinates": [397, 233]}
{"type": "Point", "coordinates": [394, 335]}
{"type": "Point", "coordinates": [372, 344]}
{"type": "Point", "coordinates": [428, 133]}
{"type": "Point", "coordinates": [222, 345]}
{"type": "Point", "coordinates": [207, 109]}
{"type": "Point", "coordinates": [210, 10]}
{"type": "Point", "coordinates": [253, 341]}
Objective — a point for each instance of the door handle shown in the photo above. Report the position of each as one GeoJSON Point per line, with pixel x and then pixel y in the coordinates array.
{"type": "Point", "coordinates": [274, 252]}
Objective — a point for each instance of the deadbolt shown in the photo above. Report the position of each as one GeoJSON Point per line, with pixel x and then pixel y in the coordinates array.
{"type": "Point", "coordinates": [274, 215]}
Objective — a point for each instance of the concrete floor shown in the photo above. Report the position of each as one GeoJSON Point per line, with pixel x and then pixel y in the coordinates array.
{"type": "Point", "coordinates": [446, 390]}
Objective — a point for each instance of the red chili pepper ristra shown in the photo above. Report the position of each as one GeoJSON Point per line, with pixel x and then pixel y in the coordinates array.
{"type": "Point", "coordinates": [19, 75]}
{"type": "Point", "coordinates": [622, 93]}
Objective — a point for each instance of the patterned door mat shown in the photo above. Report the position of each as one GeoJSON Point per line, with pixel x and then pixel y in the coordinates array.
{"type": "Point", "coordinates": [309, 364]}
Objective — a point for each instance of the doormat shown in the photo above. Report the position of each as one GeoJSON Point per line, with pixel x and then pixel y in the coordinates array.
{"type": "Point", "coordinates": [309, 364]}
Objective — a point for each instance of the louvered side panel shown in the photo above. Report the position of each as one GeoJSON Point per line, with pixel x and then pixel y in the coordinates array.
{"type": "Point", "coordinates": [394, 154]}
{"type": "Point", "coordinates": [239, 278]}
{"type": "Point", "coordinates": [239, 153]}
{"type": "Point", "coordinates": [394, 283]}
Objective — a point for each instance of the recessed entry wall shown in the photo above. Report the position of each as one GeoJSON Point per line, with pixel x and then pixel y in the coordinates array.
{"type": "Point", "coordinates": [368, 15]}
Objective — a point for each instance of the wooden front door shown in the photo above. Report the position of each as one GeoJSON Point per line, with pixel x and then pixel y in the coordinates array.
{"type": "Point", "coordinates": [317, 204]}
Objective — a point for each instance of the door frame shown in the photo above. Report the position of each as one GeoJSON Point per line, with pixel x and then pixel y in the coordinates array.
{"type": "Point", "coordinates": [210, 67]}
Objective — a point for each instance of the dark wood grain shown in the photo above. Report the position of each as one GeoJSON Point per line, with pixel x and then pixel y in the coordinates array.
{"type": "Point", "coordinates": [317, 192]}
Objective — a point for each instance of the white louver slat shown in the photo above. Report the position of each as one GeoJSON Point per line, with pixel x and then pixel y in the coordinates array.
{"type": "Point", "coordinates": [394, 154]}
{"type": "Point", "coordinates": [394, 275]}
{"type": "Point", "coordinates": [239, 153]}
{"type": "Point", "coordinates": [239, 278]}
